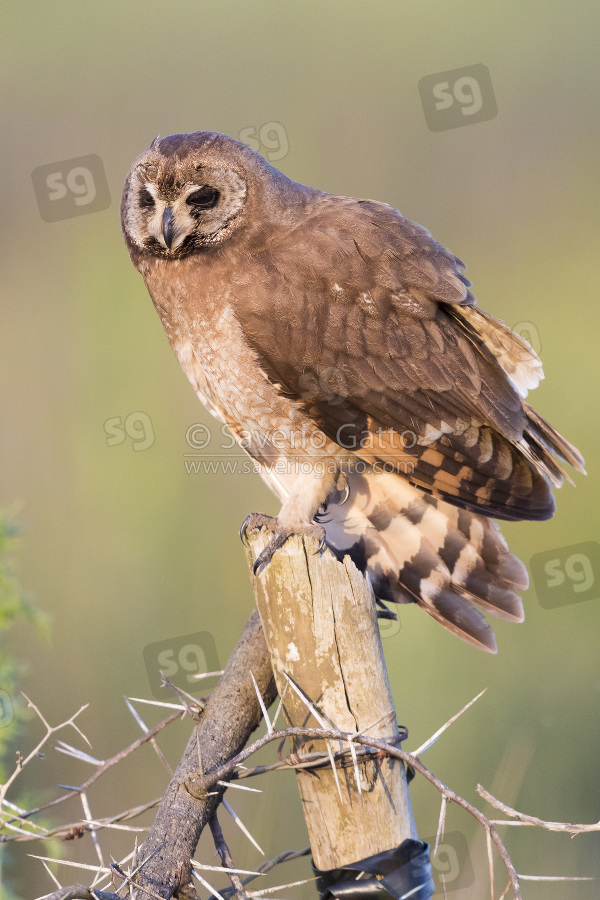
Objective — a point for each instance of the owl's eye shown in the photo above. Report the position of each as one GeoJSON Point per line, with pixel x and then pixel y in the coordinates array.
{"type": "Point", "coordinates": [146, 199]}
{"type": "Point", "coordinates": [204, 198]}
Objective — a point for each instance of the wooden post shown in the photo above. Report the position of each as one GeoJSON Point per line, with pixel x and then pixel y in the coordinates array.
{"type": "Point", "coordinates": [320, 625]}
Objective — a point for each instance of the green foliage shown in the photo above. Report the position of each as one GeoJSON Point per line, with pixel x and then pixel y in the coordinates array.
{"type": "Point", "coordinates": [15, 605]}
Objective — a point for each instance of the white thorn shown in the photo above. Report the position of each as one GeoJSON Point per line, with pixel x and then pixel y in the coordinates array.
{"type": "Point", "coordinates": [434, 737]}
{"type": "Point", "coordinates": [208, 886]}
{"type": "Point", "coordinates": [262, 705]}
{"type": "Point", "coordinates": [240, 824]}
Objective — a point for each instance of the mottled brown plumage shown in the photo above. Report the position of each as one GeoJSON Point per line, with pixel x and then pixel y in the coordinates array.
{"type": "Point", "coordinates": [341, 345]}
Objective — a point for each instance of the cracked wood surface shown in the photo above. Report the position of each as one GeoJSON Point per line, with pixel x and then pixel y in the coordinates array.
{"type": "Point", "coordinates": [321, 630]}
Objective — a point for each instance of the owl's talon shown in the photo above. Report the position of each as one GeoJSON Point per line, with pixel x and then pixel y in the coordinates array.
{"type": "Point", "coordinates": [256, 520]}
{"type": "Point", "coordinates": [343, 484]}
{"type": "Point", "coordinates": [266, 555]}
{"type": "Point", "coordinates": [280, 537]}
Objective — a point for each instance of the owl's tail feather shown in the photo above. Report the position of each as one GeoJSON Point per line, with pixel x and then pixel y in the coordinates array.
{"type": "Point", "coordinates": [451, 562]}
{"type": "Point", "coordinates": [541, 441]}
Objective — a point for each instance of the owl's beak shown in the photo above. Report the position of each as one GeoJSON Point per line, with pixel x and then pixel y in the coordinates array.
{"type": "Point", "coordinates": [168, 227]}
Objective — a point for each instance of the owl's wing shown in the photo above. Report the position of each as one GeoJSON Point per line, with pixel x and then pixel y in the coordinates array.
{"type": "Point", "coordinates": [368, 323]}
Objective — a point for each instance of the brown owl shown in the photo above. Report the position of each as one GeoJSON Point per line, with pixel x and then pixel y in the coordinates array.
{"type": "Point", "coordinates": [342, 347]}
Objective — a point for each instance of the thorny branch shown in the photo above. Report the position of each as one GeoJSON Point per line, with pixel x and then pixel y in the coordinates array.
{"type": "Point", "coordinates": [81, 892]}
{"type": "Point", "coordinates": [524, 819]}
{"type": "Point", "coordinates": [201, 783]}
{"type": "Point", "coordinates": [265, 867]}
{"type": "Point", "coordinates": [50, 730]}
{"type": "Point", "coordinates": [201, 786]}
{"type": "Point", "coordinates": [65, 831]}
{"type": "Point", "coordinates": [226, 859]}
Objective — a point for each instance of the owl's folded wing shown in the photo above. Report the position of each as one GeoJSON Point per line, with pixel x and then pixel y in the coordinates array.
{"type": "Point", "coordinates": [369, 324]}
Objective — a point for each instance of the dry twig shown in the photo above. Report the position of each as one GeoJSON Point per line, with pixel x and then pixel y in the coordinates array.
{"type": "Point", "coordinates": [207, 786]}
{"type": "Point", "coordinates": [226, 858]}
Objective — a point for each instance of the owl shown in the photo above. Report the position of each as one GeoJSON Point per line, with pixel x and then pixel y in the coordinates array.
{"type": "Point", "coordinates": [342, 347]}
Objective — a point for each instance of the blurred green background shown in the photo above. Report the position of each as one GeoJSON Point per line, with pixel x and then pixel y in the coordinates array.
{"type": "Point", "coordinates": [122, 547]}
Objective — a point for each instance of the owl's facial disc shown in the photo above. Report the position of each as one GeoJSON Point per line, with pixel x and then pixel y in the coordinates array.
{"type": "Point", "coordinates": [173, 216]}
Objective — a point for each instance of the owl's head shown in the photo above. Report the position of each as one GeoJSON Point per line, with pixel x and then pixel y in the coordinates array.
{"type": "Point", "coordinates": [190, 192]}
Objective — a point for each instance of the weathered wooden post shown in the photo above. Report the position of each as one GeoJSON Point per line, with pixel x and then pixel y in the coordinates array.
{"type": "Point", "coordinates": [320, 625]}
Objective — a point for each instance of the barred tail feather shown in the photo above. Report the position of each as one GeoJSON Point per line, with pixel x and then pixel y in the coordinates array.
{"type": "Point", "coordinates": [415, 548]}
{"type": "Point", "coordinates": [553, 442]}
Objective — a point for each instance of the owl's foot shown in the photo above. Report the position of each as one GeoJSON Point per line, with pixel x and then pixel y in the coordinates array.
{"type": "Point", "coordinates": [280, 535]}
{"type": "Point", "coordinates": [256, 520]}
